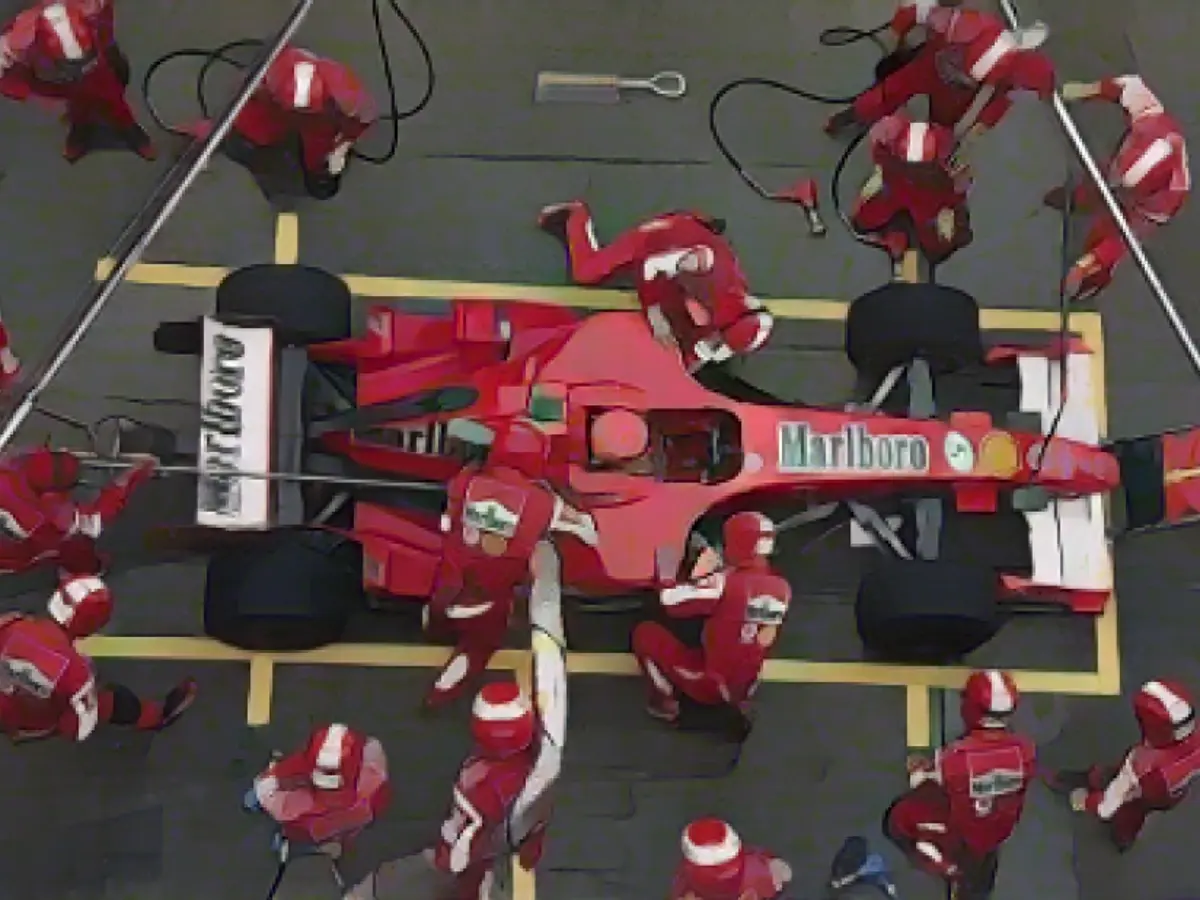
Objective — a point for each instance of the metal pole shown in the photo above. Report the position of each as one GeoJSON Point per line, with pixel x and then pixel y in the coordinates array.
{"type": "Point", "coordinates": [94, 462]}
{"type": "Point", "coordinates": [1118, 215]}
{"type": "Point", "coordinates": [133, 254]}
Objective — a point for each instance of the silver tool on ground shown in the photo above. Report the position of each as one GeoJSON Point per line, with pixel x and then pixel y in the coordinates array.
{"type": "Point", "coordinates": [573, 87]}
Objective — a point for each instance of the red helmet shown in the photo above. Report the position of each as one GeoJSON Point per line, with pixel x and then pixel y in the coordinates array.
{"type": "Point", "coordinates": [1031, 71]}
{"type": "Point", "coordinates": [923, 142]}
{"type": "Point", "coordinates": [749, 331]}
{"type": "Point", "coordinates": [1165, 713]}
{"type": "Point", "coordinates": [748, 536]}
{"type": "Point", "coordinates": [619, 435]}
{"type": "Point", "coordinates": [81, 606]}
{"type": "Point", "coordinates": [51, 471]}
{"type": "Point", "coordinates": [712, 858]}
{"type": "Point", "coordinates": [297, 80]}
{"type": "Point", "coordinates": [63, 33]}
{"type": "Point", "coordinates": [335, 756]}
{"type": "Point", "coordinates": [502, 719]}
{"type": "Point", "coordinates": [988, 699]}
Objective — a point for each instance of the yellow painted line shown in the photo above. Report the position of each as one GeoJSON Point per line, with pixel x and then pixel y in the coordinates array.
{"type": "Point", "coordinates": [917, 716]}
{"type": "Point", "coordinates": [186, 649]}
{"type": "Point", "coordinates": [524, 886]}
{"type": "Point", "coordinates": [287, 239]}
{"type": "Point", "coordinates": [400, 656]}
{"type": "Point", "coordinates": [167, 274]}
{"type": "Point", "coordinates": [792, 671]}
{"type": "Point", "coordinates": [390, 288]}
{"type": "Point", "coordinates": [262, 683]}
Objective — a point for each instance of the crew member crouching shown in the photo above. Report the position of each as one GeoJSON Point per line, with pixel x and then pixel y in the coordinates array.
{"type": "Point", "coordinates": [744, 605]}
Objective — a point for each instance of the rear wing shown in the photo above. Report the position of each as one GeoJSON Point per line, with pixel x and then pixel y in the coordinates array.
{"type": "Point", "coordinates": [1160, 481]}
{"type": "Point", "coordinates": [251, 398]}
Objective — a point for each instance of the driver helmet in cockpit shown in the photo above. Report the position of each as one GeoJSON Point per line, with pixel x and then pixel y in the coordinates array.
{"type": "Point", "coordinates": [619, 436]}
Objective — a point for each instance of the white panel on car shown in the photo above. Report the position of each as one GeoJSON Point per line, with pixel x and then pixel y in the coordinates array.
{"type": "Point", "coordinates": [860, 537]}
{"type": "Point", "coordinates": [237, 377]}
{"type": "Point", "coordinates": [1041, 381]}
{"type": "Point", "coordinates": [1069, 544]}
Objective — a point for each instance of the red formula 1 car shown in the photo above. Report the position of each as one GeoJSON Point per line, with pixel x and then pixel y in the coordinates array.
{"type": "Point", "coordinates": [287, 389]}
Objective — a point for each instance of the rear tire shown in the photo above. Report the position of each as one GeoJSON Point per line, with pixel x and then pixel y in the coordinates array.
{"type": "Point", "coordinates": [931, 612]}
{"type": "Point", "coordinates": [899, 322]}
{"type": "Point", "coordinates": [288, 591]}
{"type": "Point", "coordinates": [303, 304]}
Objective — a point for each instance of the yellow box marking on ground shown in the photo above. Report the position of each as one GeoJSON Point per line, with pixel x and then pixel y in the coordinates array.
{"type": "Point", "coordinates": [167, 274]}
{"type": "Point", "coordinates": [262, 685]}
{"type": "Point", "coordinates": [187, 649]}
{"type": "Point", "coordinates": [287, 239]}
{"type": "Point", "coordinates": [917, 716]}
{"type": "Point", "coordinates": [524, 883]}
{"type": "Point", "coordinates": [1089, 325]}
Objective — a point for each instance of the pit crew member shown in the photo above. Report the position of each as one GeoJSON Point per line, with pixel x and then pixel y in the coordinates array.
{"type": "Point", "coordinates": [689, 282]}
{"type": "Point", "coordinates": [40, 523]}
{"type": "Point", "coordinates": [501, 795]}
{"type": "Point", "coordinates": [969, 67]}
{"type": "Point", "coordinates": [965, 802]}
{"type": "Point", "coordinates": [1155, 774]}
{"type": "Point", "coordinates": [64, 51]}
{"type": "Point", "coordinates": [716, 866]}
{"type": "Point", "coordinates": [917, 187]}
{"type": "Point", "coordinates": [496, 513]}
{"type": "Point", "coordinates": [319, 103]}
{"type": "Point", "coordinates": [1148, 174]}
{"type": "Point", "coordinates": [324, 795]}
{"type": "Point", "coordinates": [48, 688]}
{"type": "Point", "coordinates": [744, 604]}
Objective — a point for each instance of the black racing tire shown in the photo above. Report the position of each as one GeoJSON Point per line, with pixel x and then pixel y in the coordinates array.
{"type": "Point", "coordinates": [899, 322]}
{"type": "Point", "coordinates": [303, 304]}
{"type": "Point", "coordinates": [931, 612]}
{"type": "Point", "coordinates": [180, 338]}
{"type": "Point", "coordinates": [284, 592]}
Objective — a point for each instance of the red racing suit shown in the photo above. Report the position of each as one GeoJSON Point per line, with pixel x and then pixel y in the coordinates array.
{"type": "Point", "coordinates": [744, 608]}
{"type": "Point", "coordinates": [95, 95]}
{"type": "Point", "coordinates": [756, 876]}
{"type": "Point", "coordinates": [495, 515]}
{"type": "Point", "coordinates": [281, 110]}
{"type": "Point", "coordinates": [38, 527]}
{"type": "Point", "coordinates": [959, 52]}
{"type": "Point", "coordinates": [1148, 203]}
{"type": "Point", "coordinates": [311, 817]}
{"type": "Point", "coordinates": [965, 804]}
{"type": "Point", "coordinates": [697, 310]}
{"type": "Point", "coordinates": [1149, 779]}
{"type": "Point", "coordinates": [914, 187]}
{"type": "Point", "coordinates": [46, 686]}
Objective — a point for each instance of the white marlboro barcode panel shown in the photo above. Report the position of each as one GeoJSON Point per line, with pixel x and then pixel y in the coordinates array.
{"type": "Point", "coordinates": [236, 378]}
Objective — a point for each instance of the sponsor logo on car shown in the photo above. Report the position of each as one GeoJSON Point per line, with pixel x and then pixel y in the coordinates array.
{"type": "Point", "coordinates": [235, 426]}
{"type": "Point", "coordinates": [852, 449]}
{"type": "Point", "coordinates": [492, 516]}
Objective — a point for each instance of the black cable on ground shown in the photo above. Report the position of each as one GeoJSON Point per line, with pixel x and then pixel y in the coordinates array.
{"type": "Point", "coordinates": [394, 115]}
{"type": "Point", "coordinates": [838, 36]}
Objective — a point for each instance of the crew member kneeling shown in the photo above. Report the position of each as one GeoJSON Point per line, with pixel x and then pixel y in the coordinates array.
{"type": "Point", "coordinates": [916, 188]}
{"type": "Point", "coordinates": [65, 52]}
{"type": "Point", "coordinates": [966, 801]}
{"type": "Point", "coordinates": [1149, 175]}
{"type": "Point", "coordinates": [305, 98]}
{"type": "Point", "coordinates": [744, 604]}
{"type": "Point", "coordinates": [1155, 774]}
{"type": "Point", "coordinates": [324, 795]}
{"type": "Point", "coordinates": [48, 688]}
{"type": "Point", "coordinates": [689, 282]}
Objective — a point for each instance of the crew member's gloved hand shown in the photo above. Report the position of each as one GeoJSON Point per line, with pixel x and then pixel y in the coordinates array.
{"type": "Point", "coordinates": [1078, 798]}
{"type": "Point", "coordinates": [781, 873]}
{"type": "Point", "coordinates": [336, 161]}
{"type": "Point", "coordinates": [1075, 90]}
{"type": "Point", "coordinates": [250, 801]}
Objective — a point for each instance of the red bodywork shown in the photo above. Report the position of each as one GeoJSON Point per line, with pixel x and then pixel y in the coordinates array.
{"type": "Point", "coordinates": [512, 353]}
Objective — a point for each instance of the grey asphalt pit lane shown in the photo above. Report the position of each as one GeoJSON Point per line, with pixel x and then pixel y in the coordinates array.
{"type": "Point", "coordinates": [622, 741]}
